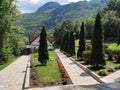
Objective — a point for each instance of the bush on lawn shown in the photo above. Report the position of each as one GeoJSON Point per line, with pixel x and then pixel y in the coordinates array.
{"type": "Point", "coordinates": [102, 73]}
{"type": "Point", "coordinates": [110, 70]}
{"type": "Point", "coordinates": [117, 67]}
{"type": "Point", "coordinates": [118, 58]}
{"type": "Point", "coordinates": [86, 56]}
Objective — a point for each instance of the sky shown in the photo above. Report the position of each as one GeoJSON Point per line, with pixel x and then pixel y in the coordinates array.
{"type": "Point", "coordinates": [29, 6]}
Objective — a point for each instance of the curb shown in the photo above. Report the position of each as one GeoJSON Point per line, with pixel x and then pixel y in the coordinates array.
{"type": "Point", "coordinates": [94, 75]}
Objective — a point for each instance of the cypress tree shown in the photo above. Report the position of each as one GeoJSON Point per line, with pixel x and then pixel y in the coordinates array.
{"type": "Point", "coordinates": [43, 47]}
{"type": "Point", "coordinates": [71, 44]}
{"type": "Point", "coordinates": [66, 41]}
{"type": "Point", "coordinates": [81, 41]}
{"type": "Point", "coordinates": [62, 48]}
{"type": "Point", "coordinates": [97, 52]}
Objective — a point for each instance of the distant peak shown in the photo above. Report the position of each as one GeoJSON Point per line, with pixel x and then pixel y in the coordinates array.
{"type": "Point", "coordinates": [48, 5]}
{"type": "Point", "coordinates": [52, 4]}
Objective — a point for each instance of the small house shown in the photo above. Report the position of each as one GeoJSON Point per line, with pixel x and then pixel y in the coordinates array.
{"type": "Point", "coordinates": [34, 39]}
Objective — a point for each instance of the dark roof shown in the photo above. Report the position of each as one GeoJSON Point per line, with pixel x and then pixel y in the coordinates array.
{"type": "Point", "coordinates": [33, 36]}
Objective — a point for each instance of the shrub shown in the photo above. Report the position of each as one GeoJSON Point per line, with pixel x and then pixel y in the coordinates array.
{"type": "Point", "coordinates": [106, 46]}
{"type": "Point", "coordinates": [102, 73]}
{"type": "Point", "coordinates": [88, 47]}
{"type": "Point", "coordinates": [118, 58]}
{"type": "Point", "coordinates": [117, 67]}
{"type": "Point", "coordinates": [110, 57]}
{"type": "Point", "coordinates": [86, 56]}
{"type": "Point", "coordinates": [110, 70]}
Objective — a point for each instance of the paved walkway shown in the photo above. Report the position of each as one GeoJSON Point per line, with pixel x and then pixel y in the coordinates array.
{"type": "Point", "coordinates": [77, 75]}
{"type": "Point", "coordinates": [114, 77]}
{"type": "Point", "coordinates": [112, 81]}
{"type": "Point", "coordinates": [12, 77]}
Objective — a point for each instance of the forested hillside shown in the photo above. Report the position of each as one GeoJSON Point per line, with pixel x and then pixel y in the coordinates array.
{"type": "Point", "coordinates": [52, 13]}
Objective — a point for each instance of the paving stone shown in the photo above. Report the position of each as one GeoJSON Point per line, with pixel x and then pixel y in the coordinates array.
{"type": "Point", "coordinates": [12, 77]}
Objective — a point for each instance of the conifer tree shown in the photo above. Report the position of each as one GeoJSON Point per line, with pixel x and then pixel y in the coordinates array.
{"type": "Point", "coordinates": [97, 52]}
{"type": "Point", "coordinates": [66, 41]}
{"type": "Point", "coordinates": [43, 47]}
{"type": "Point", "coordinates": [81, 41]}
{"type": "Point", "coordinates": [71, 50]}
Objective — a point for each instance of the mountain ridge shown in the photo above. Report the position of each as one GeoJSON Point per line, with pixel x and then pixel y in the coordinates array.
{"type": "Point", "coordinates": [58, 13]}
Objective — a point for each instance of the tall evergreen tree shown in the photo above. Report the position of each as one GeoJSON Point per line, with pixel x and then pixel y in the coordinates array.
{"type": "Point", "coordinates": [66, 41]}
{"type": "Point", "coordinates": [81, 41]}
{"type": "Point", "coordinates": [43, 47]}
{"type": "Point", "coordinates": [97, 55]}
{"type": "Point", "coordinates": [71, 47]}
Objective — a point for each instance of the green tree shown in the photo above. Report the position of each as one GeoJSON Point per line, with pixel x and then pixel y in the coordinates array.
{"type": "Point", "coordinates": [71, 47]}
{"type": "Point", "coordinates": [97, 52]}
{"type": "Point", "coordinates": [81, 41]}
{"type": "Point", "coordinates": [43, 48]}
{"type": "Point", "coordinates": [111, 17]}
{"type": "Point", "coordinates": [60, 29]}
{"type": "Point", "coordinates": [77, 30]}
{"type": "Point", "coordinates": [67, 41]}
{"type": "Point", "coordinates": [7, 14]}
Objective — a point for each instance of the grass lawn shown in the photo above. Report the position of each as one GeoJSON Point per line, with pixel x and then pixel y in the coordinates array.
{"type": "Point", "coordinates": [52, 55]}
{"type": "Point", "coordinates": [113, 46]}
{"type": "Point", "coordinates": [8, 63]}
{"type": "Point", "coordinates": [49, 73]}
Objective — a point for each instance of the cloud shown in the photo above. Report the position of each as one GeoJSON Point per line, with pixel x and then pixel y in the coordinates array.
{"type": "Point", "coordinates": [28, 6]}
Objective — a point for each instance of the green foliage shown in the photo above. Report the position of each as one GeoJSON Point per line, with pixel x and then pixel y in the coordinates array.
{"type": "Point", "coordinates": [112, 20]}
{"type": "Point", "coordinates": [97, 52]}
{"type": "Point", "coordinates": [7, 13]}
{"type": "Point", "coordinates": [86, 55]}
{"type": "Point", "coordinates": [89, 27]}
{"type": "Point", "coordinates": [61, 29]}
{"type": "Point", "coordinates": [111, 70]}
{"type": "Point", "coordinates": [71, 48]}
{"type": "Point", "coordinates": [81, 41]}
{"type": "Point", "coordinates": [102, 73]}
{"type": "Point", "coordinates": [77, 30]}
{"type": "Point", "coordinates": [51, 17]}
{"type": "Point", "coordinates": [43, 49]}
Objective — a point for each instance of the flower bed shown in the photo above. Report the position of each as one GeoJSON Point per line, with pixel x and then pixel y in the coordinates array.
{"type": "Point", "coordinates": [64, 75]}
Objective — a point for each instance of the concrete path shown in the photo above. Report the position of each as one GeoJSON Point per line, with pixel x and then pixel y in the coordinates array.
{"type": "Point", "coordinates": [114, 77]}
{"type": "Point", "coordinates": [12, 77]}
{"type": "Point", "coordinates": [77, 75]}
{"type": "Point", "coordinates": [112, 81]}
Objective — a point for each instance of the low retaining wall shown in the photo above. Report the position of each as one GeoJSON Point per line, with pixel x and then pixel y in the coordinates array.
{"type": "Point", "coordinates": [94, 75]}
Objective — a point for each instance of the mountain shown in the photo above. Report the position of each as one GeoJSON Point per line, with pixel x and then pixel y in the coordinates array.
{"type": "Point", "coordinates": [52, 13]}
{"type": "Point", "coordinates": [48, 6]}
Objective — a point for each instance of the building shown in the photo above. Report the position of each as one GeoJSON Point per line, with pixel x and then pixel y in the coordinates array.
{"type": "Point", "coordinates": [34, 42]}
